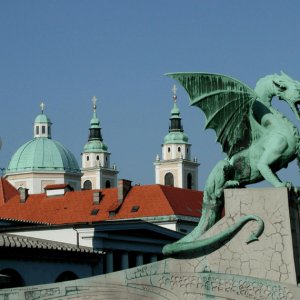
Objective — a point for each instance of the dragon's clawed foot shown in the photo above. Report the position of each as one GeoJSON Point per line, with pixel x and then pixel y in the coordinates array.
{"type": "Point", "coordinates": [233, 183]}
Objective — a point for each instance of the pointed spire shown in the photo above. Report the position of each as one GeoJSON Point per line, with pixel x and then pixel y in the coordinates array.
{"type": "Point", "coordinates": [175, 112]}
{"type": "Point", "coordinates": [176, 133]}
{"type": "Point", "coordinates": [95, 129]}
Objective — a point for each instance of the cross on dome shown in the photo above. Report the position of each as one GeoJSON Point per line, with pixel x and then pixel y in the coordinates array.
{"type": "Point", "coordinates": [94, 101]}
{"type": "Point", "coordinates": [42, 106]}
{"type": "Point", "coordinates": [174, 89]}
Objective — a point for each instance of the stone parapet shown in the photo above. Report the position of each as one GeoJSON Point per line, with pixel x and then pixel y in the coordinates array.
{"type": "Point", "coordinates": [230, 269]}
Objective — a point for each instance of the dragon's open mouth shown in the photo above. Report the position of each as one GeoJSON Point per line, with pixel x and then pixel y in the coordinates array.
{"type": "Point", "coordinates": [297, 104]}
{"type": "Point", "coordinates": [296, 108]}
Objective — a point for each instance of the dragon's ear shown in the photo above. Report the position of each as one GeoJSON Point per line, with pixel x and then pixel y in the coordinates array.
{"type": "Point", "coordinates": [286, 76]}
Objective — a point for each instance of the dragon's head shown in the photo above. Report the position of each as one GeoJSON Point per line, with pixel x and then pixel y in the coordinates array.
{"type": "Point", "coordinates": [288, 89]}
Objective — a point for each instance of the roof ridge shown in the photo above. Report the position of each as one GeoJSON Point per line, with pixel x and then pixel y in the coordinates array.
{"type": "Point", "coordinates": [160, 186]}
{"type": "Point", "coordinates": [24, 221]}
{"type": "Point", "coordinates": [31, 240]}
{"type": "Point", "coordinates": [2, 193]}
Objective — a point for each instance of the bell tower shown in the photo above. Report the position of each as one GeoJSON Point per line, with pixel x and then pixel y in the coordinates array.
{"type": "Point", "coordinates": [176, 167]}
{"type": "Point", "coordinates": [97, 173]}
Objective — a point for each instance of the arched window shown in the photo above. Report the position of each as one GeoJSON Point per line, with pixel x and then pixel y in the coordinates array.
{"type": "Point", "coordinates": [169, 179]}
{"type": "Point", "coordinates": [107, 184]}
{"type": "Point", "coordinates": [106, 158]}
{"type": "Point", "coordinates": [179, 149]}
{"type": "Point", "coordinates": [66, 276]}
{"type": "Point", "coordinates": [16, 279]}
{"type": "Point", "coordinates": [87, 185]}
{"type": "Point", "coordinates": [189, 181]}
{"type": "Point", "coordinates": [97, 158]}
{"type": "Point", "coordinates": [87, 158]}
{"type": "Point", "coordinates": [169, 150]}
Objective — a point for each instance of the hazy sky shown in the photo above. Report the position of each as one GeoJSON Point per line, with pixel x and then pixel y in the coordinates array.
{"type": "Point", "coordinates": [65, 52]}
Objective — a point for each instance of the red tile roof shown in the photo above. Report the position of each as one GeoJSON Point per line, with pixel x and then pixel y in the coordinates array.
{"type": "Point", "coordinates": [55, 186]}
{"type": "Point", "coordinates": [76, 207]}
{"type": "Point", "coordinates": [7, 191]}
{"type": "Point", "coordinates": [114, 206]}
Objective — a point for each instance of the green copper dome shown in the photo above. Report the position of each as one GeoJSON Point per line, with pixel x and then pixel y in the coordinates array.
{"type": "Point", "coordinates": [176, 138]}
{"type": "Point", "coordinates": [175, 112]}
{"type": "Point", "coordinates": [95, 121]}
{"type": "Point", "coordinates": [95, 146]}
{"type": "Point", "coordinates": [42, 119]}
{"type": "Point", "coordinates": [43, 154]}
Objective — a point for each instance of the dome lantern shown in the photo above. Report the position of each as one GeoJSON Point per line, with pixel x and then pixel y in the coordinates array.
{"type": "Point", "coordinates": [42, 125]}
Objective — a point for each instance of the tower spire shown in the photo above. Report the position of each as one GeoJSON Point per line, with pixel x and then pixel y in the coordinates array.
{"type": "Point", "coordinates": [95, 129]}
{"type": "Point", "coordinates": [175, 112]}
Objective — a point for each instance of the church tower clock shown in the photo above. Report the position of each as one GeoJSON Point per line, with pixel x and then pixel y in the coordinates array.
{"type": "Point", "coordinates": [176, 167]}
{"type": "Point", "coordinates": [97, 173]}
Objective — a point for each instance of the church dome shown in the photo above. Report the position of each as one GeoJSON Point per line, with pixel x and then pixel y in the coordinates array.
{"type": "Point", "coordinates": [42, 119]}
{"type": "Point", "coordinates": [176, 138]}
{"type": "Point", "coordinates": [95, 146]}
{"type": "Point", "coordinates": [43, 154]}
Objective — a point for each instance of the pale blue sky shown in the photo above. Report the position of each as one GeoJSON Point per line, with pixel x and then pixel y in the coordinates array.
{"type": "Point", "coordinates": [65, 52]}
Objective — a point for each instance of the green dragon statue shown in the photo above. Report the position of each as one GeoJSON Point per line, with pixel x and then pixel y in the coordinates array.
{"type": "Point", "coordinates": [258, 140]}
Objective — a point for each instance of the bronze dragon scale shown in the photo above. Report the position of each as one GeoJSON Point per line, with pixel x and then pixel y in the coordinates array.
{"type": "Point", "coordinates": [258, 140]}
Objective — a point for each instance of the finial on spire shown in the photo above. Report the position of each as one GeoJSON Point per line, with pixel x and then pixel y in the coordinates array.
{"type": "Point", "coordinates": [42, 106]}
{"type": "Point", "coordinates": [94, 106]}
{"type": "Point", "coordinates": [174, 89]}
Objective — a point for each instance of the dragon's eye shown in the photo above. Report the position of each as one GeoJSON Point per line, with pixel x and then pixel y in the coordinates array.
{"type": "Point", "coordinates": [280, 87]}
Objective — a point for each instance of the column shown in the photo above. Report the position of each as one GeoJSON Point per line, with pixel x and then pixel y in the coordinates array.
{"type": "Point", "coordinates": [139, 259]}
{"type": "Point", "coordinates": [153, 258]}
{"type": "Point", "coordinates": [109, 261]}
{"type": "Point", "coordinates": [124, 260]}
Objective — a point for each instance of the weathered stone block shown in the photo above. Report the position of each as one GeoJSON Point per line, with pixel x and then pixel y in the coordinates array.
{"type": "Point", "coordinates": [266, 269]}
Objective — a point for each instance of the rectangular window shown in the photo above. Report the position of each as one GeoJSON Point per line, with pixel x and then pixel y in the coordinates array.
{"type": "Point", "coordinates": [43, 129]}
{"type": "Point", "coordinates": [49, 130]}
{"type": "Point", "coordinates": [37, 131]}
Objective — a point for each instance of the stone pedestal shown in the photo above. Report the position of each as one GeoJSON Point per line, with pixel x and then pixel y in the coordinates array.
{"type": "Point", "coordinates": [230, 269]}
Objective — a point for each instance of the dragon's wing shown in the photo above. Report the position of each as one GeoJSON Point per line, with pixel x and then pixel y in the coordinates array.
{"type": "Point", "coordinates": [226, 103]}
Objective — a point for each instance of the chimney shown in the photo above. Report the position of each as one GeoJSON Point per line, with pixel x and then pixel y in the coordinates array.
{"type": "Point", "coordinates": [96, 197]}
{"type": "Point", "coordinates": [23, 194]}
{"type": "Point", "coordinates": [123, 188]}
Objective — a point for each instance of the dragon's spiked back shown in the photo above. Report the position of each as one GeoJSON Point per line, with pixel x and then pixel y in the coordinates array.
{"type": "Point", "coordinates": [226, 103]}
